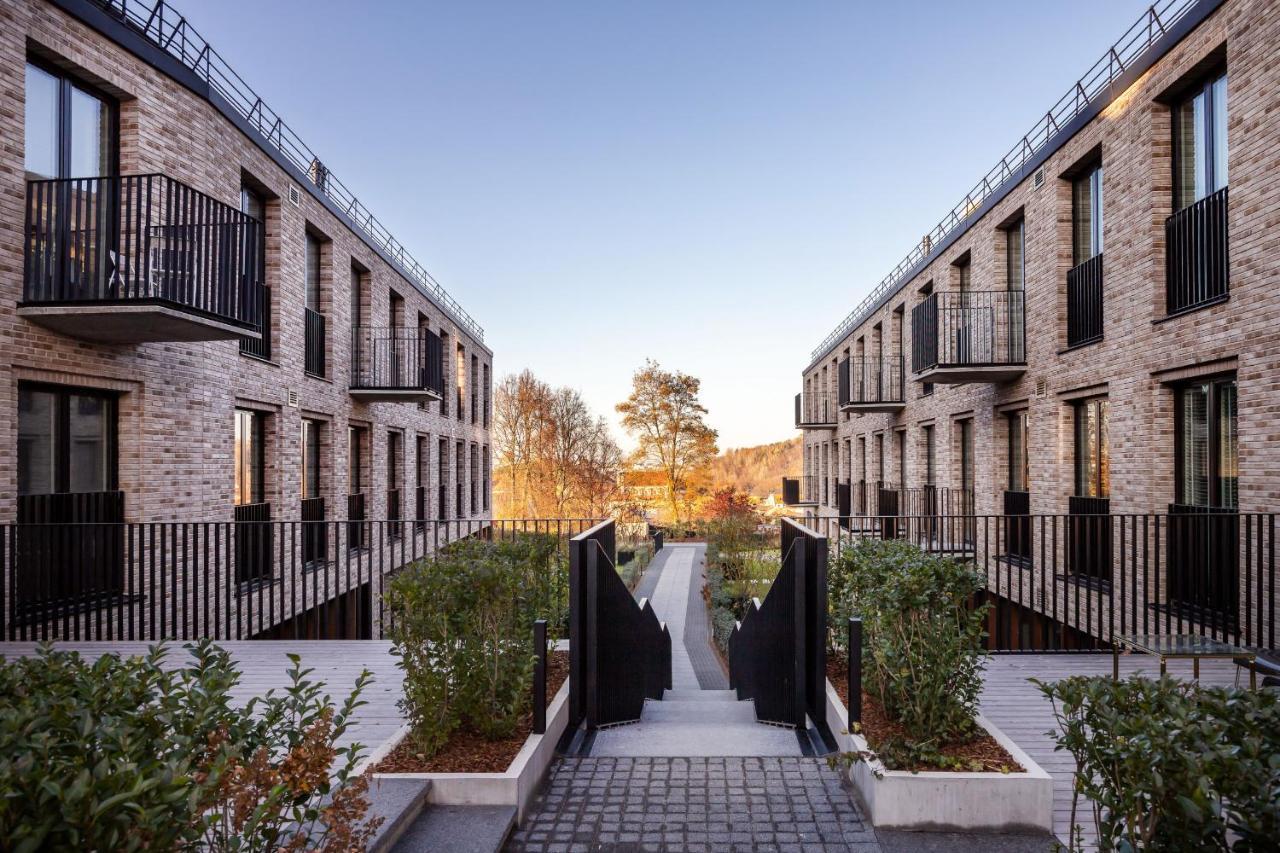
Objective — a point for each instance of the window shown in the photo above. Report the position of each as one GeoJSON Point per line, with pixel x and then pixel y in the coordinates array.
{"type": "Point", "coordinates": [66, 440]}
{"type": "Point", "coordinates": [310, 458]}
{"type": "Point", "coordinates": [444, 375]}
{"type": "Point", "coordinates": [966, 456]}
{"type": "Point", "coordinates": [1019, 459]}
{"type": "Point", "coordinates": [901, 440]}
{"type": "Point", "coordinates": [357, 295]}
{"type": "Point", "coordinates": [394, 460]}
{"type": "Point", "coordinates": [442, 475]}
{"type": "Point", "coordinates": [1014, 256]}
{"type": "Point", "coordinates": [1200, 143]}
{"type": "Point", "coordinates": [880, 473]}
{"type": "Point", "coordinates": [69, 130]}
{"type": "Point", "coordinates": [475, 479]}
{"type": "Point", "coordinates": [485, 477]}
{"type": "Point", "coordinates": [475, 391]}
{"type": "Point", "coordinates": [488, 391]}
{"type": "Point", "coordinates": [312, 272]}
{"type": "Point", "coordinates": [356, 440]}
{"type": "Point", "coordinates": [250, 458]}
{"type": "Point", "coordinates": [930, 477]}
{"type": "Point", "coordinates": [1207, 444]}
{"type": "Point", "coordinates": [1093, 461]}
{"type": "Point", "coordinates": [460, 379]}
{"type": "Point", "coordinates": [460, 461]}
{"type": "Point", "coordinates": [1086, 215]}
{"type": "Point", "coordinates": [253, 204]}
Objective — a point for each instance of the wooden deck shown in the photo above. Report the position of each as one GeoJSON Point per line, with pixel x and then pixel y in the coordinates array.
{"type": "Point", "coordinates": [1017, 706]}
{"type": "Point", "coordinates": [263, 666]}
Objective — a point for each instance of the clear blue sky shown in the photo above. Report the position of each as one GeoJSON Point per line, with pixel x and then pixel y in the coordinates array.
{"type": "Point", "coordinates": [713, 184]}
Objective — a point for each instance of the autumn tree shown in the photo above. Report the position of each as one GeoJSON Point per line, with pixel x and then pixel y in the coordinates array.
{"type": "Point", "coordinates": [554, 458]}
{"type": "Point", "coordinates": [665, 417]}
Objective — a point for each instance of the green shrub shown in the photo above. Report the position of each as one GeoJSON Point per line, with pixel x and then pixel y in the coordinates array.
{"type": "Point", "coordinates": [1172, 766]}
{"type": "Point", "coordinates": [921, 651]}
{"type": "Point", "coordinates": [126, 754]}
{"type": "Point", "coordinates": [462, 626]}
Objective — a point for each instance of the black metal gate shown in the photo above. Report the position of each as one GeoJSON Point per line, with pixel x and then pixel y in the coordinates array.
{"type": "Point", "coordinates": [619, 653]}
{"type": "Point", "coordinates": [777, 654]}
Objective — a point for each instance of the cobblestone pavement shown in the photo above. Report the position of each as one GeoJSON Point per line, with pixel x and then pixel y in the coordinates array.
{"type": "Point", "coordinates": [694, 804]}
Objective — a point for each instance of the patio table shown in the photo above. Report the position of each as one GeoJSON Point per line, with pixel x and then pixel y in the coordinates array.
{"type": "Point", "coordinates": [1168, 646]}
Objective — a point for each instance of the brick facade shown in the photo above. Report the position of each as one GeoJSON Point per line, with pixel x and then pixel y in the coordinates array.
{"type": "Point", "coordinates": [177, 400]}
{"type": "Point", "coordinates": [1141, 348]}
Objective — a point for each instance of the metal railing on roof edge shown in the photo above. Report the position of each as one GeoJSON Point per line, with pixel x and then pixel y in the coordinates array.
{"type": "Point", "coordinates": [168, 30]}
{"type": "Point", "coordinates": [1136, 41]}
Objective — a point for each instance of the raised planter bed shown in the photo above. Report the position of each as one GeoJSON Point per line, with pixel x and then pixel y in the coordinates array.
{"type": "Point", "coordinates": [933, 800]}
{"type": "Point", "coordinates": [514, 786]}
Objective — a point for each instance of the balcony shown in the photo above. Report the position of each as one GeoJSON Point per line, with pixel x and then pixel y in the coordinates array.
{"type": "Point", "coordinates": [396, 365]}
{"type": "Point", "coordinates": [1196, 250]}
{"type": "Point", "coordinates": [969, 337]}
{"type": "Point", "coordinates": [139, 258]}
{"type": "Point", "coordinates": [816, 411]}
{"type": "Point", "coordinates": [800, 491]}
{"type": "Point", "coordinates": [871, 385]}
{"type": "Point", "coordinates": [1084, 303]}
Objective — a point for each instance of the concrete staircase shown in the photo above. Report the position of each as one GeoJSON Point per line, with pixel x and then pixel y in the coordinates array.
{"type": "Point", "coordinates": [700, 723]}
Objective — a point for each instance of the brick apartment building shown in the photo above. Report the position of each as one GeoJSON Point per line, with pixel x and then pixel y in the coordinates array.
{"type": "Point", "coordinates": [1095, 329]}
{"type": "Point", "coordinates": [199, 322]}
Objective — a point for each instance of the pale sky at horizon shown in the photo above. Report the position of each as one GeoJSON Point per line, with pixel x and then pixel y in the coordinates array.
{"type": "Point", "coordinates": [713, 185]}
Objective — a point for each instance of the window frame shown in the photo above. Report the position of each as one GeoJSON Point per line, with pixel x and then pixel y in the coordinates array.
{"type": "Point", "coordinates": [1093, 174]}
{"type": "Point", "coordinates": [312, 448]}
{"type": "Point", "coordinates": [1017, 227]}
{"type": "Point", "coordinates": [66, 81]}
{"type": "Point", "coordinates": [1213, 474]}
{"type": "Point", "coordinates": [1019, 423]}
{"type": "Point", "coordinates": [61, 461]}
{"type": "Point", "coordinates": [257, 465]}
{"type": "Point", "coordinates": [1204, 86]}
{"type": "Point", "coordinates": [356, 438]}
{"type": "Point", "coordinates": [1102, 447]}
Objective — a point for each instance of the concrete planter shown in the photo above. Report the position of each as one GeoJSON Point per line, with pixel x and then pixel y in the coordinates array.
{"type": "Point", "coordinates": [514, 787]}
{"type": "Point", "coordinates": [937, 800]}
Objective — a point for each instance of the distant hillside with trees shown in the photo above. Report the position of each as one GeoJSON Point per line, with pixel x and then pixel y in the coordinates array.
{"type": "Point", "coordinates": [758, 470]}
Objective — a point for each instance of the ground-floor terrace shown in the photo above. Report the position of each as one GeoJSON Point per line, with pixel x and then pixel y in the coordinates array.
{"type": "Point", "coordinates": [697, 771]}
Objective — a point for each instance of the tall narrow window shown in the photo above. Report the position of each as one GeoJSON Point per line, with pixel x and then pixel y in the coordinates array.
{"type": "Point", "coordinates": [253, 204]}
{"type": "Point", "coordinates": [488, 392]}
{"type": "Point", "coordinates": [356, 440]}
{"type": "Point", "coordinates": [394, 460]}
{"type": "Point", "coordinates": [66, 440]}
{"type": "Point", "coordinates": [314, 346]}
{"type": "Point", "coordinates": [1207, 444]}
{"type": "Point", "coordinates": [442, 475]}
{"type": "Point", "coordinates": [1019, 460]}
{"type": "Point", "coordinates": [475, 390]}
{"type": "Point", "coordinates": [250, 458]}
{"type": "Point", "coordinates": [461, 378]}
{"type": "Point", "coordinates": [1014, 258]}
{"type": "Point", "coordinates": [475, 479]}
{"type": "Point", "coordinates": [312, 272]}
{"type": "Point", "coordinates": [310, 459]}
{"type": "Point", "coordinates": [357, 296]}
{"type": "Point", "coordinates": [1093, 457]}
{"type": "Point", "coordinates": [1200, 143]}
{"type": "Point", "coordinates": [930, 475]}
{"type": "Point", "coordinates": [966, 456]}
{"type": "Point", "coordinates": [901, 440]}
{"type": "Point", "coordinates": [70, 131]}
{"type": "Point", "coordinates": [1086, 215]}
{"type": "Point", "coordinates": [880, 472]}
{"type": "Point", "coordinates": [460, 462]}
{"type": "Point", "coordinates": [485, 474]}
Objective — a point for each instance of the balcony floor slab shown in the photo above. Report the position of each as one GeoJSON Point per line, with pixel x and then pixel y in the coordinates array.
{"type": "Point", "coordinates": [873, 407]}
{"type": "Point", "coordinates": [956, 374]}
{"type": "Point", "coordinates": [145, 322]}
{"type": "Point", "coordinates": [394, 395]}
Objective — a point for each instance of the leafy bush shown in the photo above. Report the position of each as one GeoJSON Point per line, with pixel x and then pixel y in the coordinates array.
{"type": "Point", "coordinates": [1172, 766]}
{"type": "Point", "coordinates": [921, 651]}
{"type": "Point", "coordinates": [126, 754]}
{"type": "Point", "coordinates": [462, 625]}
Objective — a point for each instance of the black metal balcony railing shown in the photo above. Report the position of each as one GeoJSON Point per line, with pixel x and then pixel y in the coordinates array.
{"type": "Point", "coordinates": [871, 381]}
{"type": "Point", "coordinates": [1204, 558]}
{"type": "Point", "coordinates": [420, 507]}
{"type": "Point", "coordinates": [136, 239]}
{"type": "Point", "coordinates": [791, 490]}
{"type": "Point", "coordinates": [393, 512]}
{"type": "Point", "coordinates": [315, 538]}
{"type": "Point", "coordinates": [396, 359]}
{"type": "Point", "coordinates": [68, 552]}
{"type": "Point", "coordinates": [974, 329]}
{"type": "Point", "coordinates": [442, 502]}
{"type": "Point", "coordinates": [1089, 550]}
{"type": "Point", "coordinates": [261, 345]}
{"type": "Point", "coordinates": [1084, 302]}
{"type": "Point", "coordinates": [357, 529]}
{"type": "Point", "coordinates": [816, 408]}
{"type": "Point", "coordinates": [313, 342]}
{"type": "Point", "coordinates": [1196, 254]}
{"type": "Point", "coordinates": [255, 545]}
{"type": "Point", "coordinates": [1018, 542]}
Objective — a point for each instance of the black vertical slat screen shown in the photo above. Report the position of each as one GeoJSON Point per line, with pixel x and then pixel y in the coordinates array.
{"type": "Point", "coordinates": [1084, 302]}
{"type": "Point", "coordinates": [1197, 267]}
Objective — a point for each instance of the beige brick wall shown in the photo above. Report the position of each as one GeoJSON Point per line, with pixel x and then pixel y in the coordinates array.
{"type": "Point", "coordinates": [176, 409]}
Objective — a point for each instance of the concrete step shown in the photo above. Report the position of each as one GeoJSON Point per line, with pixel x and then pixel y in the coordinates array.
{"type": "Point", "coordinates": [670, 739]}
{"type": "Point", "coordinates": [685, 695]}
{"type": "Point", "coordinates": [459, 829]}
{"type": "Point", "coordinates": [686, 711]}
{"type": "Point", "coordinates": [398, 802]}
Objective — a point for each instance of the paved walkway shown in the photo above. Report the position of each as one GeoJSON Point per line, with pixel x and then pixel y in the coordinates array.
{"type": "Point", "coordinates": [690, 720]}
